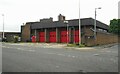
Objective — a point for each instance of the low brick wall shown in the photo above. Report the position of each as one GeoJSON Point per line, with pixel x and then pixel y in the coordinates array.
{"type": "Point", "coordinates": [101, 39]}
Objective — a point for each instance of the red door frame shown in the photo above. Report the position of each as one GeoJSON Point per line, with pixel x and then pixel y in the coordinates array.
{"type": "Point", "coordinates": [52, 36]}
{"type": "Point", "coordinates": [76, 39]}
{"type": "Point", "coordinates": [64, 36]}
{"type": "Point", "coordinates": [41, 36]}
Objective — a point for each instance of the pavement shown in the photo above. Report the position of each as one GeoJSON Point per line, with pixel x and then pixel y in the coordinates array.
{"type": "Point", "coordinates": [45, 57]}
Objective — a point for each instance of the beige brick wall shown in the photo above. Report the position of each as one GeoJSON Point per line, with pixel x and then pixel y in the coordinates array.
{"type": "Point", "coordinates": [101, 39]}
{"type": "Point", "coordinates": [26, 32]}
{"type": "Point", "coordinates": [88, 31]}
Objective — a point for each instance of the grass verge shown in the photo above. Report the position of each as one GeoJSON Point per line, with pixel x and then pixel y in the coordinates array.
{"type": "Point", "coordinates": [76, 45]}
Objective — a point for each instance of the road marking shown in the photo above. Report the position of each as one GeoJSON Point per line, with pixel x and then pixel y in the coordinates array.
{"type": "Point", "coordinates": [26, 50]}
{"type": "Point", "coordinates": [6, 47]}
{"type": "Point", "coordinates": [61, 54]}
{"type": "Point", "coordinates": [57, 66]}
{"type": "Point", "coordinates": [3, 46]}
{"type": "Point", "coordinates": [20, 49]}
{"type": "Point", "coordinates": [69, 55]}
{"type": "Point", "coordinates": [73, 56]}
{"type": "Point", "coordinates": [50, 53]}
{"type": "Point", "coordinates": [107, 51]}
{"type": "Point", "coordinates": [96, 54]}
{"type": "Point", "coordinates": [31, 50]}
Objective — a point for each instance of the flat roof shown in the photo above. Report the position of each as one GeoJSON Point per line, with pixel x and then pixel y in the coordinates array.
{"type": "Point", "coordinates": [73, 22]}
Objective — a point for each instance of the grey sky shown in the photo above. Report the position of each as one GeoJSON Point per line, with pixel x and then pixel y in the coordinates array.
{"type": "Point", "coordinates": [119, 10]}
{"type": "Point", "coordinates": [18, 12]}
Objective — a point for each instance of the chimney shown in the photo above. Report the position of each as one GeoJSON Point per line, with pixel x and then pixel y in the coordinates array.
{"type": "Point", "coordinates": [61, 17]}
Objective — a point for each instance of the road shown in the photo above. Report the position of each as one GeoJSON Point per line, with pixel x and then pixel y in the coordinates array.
{"type": "Point", "coordinates": [21, 57]}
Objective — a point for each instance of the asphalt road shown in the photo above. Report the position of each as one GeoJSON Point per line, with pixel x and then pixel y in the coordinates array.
{"type": "Point", "coordinates": [41, 58]}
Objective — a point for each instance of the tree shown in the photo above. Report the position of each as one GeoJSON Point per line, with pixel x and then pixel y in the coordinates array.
{"type": "Point", "coordinates": [115, 26]}
{"type": "Point", "coordinates": [15, 39]}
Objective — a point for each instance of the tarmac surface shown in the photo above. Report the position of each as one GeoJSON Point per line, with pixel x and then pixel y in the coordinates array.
{"type": "Point", "coordinates": [44, 57]}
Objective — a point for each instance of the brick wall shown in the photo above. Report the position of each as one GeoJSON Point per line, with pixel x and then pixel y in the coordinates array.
{"type": "Point", "coordinates": [25, 32]}
{"type": "Point", "coordinates": [86, 37]}
{"type": "Point", "coordinates": [105, 38]}
{"type": "Point", "coordinates": [87, 31]}
{"type": "Point", "coordinates": [101, 39]}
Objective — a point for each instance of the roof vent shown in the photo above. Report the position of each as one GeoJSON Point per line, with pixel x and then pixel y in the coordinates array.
{"type": "Point", "coordinates": [47, 20]}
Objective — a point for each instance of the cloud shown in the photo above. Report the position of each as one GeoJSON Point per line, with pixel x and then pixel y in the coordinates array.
{"type": "Point", "coordinates": [119, 9]}
{"type": "Point", "coordinates": [22, 11]}
{"type": "Point", "coordinates": [5, 3]}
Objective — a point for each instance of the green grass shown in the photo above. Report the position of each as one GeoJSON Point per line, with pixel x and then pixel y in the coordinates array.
{"type": "Point", "coordinates": [76, 45]}
{"type": "Point", "coordinates": [71, 45]}
{"type": "Point", "coordinates": [81, 45]}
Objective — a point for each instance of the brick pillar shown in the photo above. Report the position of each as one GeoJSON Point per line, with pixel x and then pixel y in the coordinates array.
{"type": "Point", "coordinates": [37, 36]}
{"type": "Point", "coordinates": [83, 39]}
{"type": "Point", "coordinates": [35, 33]}
{"type": "Point", "coordinates": [26, 32]}
{"type": "Point", "coordinates": [46, 35]}
{"type": "Point", "coordinates": [57, 35]}
{"type": "Point", "coordinates": [74, 35]}
{"type": "Point", "coordinates": [70, 35]}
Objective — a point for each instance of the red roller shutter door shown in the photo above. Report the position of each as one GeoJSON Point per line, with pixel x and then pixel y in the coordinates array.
{"type": "Point", "coordinates": [63, 36]}
{"type": "Point", "coordinates": [52, 36]}
{"type": "Point", "coordinates": [76, 36]}
{"type": "Point", "coordinates": [42, 36]}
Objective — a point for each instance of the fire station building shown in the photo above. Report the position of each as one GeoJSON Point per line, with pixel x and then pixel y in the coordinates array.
{"type": "Point", "coordinates": [47, 30]}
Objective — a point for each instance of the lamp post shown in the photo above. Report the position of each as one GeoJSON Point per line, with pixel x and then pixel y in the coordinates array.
{"type": "Point", "coordinates": [95, 22]}
{"type": "Point", "coordinates": [79, 25]}
{"type": "Point", "coordinates": [3, 26]}
{"type": "Point", "coordinates": [66, 22]}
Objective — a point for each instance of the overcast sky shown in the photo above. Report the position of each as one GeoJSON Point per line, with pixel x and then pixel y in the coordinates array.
{"type": "Point", "coordinates": [17, 12]}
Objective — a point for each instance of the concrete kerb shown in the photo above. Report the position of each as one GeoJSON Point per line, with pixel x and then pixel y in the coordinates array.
{"type": "Point", "coordinates": [100, 47]}
{"type": "Point", "coordinates": [63, 45]}
{"type": "Point", "coordinates": [83, 48]}
{"type": "Point", "coordinates": [53, 45]}
{"type": "Point", "coordinates": [105, 46]}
